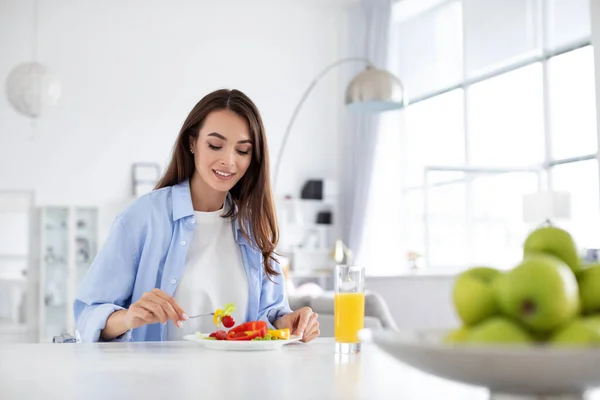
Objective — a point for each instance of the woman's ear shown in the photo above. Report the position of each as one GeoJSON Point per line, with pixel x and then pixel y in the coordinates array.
{"type": "Point", "coordinates": [192, 144]}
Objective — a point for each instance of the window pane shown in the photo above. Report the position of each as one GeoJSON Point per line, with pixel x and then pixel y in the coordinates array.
{"type": "Point", "coordinates": [500, 197]}
{"type": "Point", "coordinates": [499, 32]}
{"type": "Point", "coordinates": [435, 135]}
{"type": "Point", "coordinates": [581, 180]}
{"type": "Point", "coordinates": [448, 244]}
{"type": "Point", "coordinates": [506, 119]}
{"type": "Point", "coordinates": [568, 22]}
{"type": "Point", "coordinates": [414, 229]}
{"type": "Point", "coordinates": [427, 50]}
{"type": "Point", "coordinates": [447, 201]}
{"type": "Point", "coordinates": [497, 229]}
{"type": "Point", "coordinates": [446, 223]}
{"type": "Point", "coordinates": [497, 244]}
{"type": "Point", "coordinates": [447, 229]}
{"type": "Point", "coordinates": [573, 104]}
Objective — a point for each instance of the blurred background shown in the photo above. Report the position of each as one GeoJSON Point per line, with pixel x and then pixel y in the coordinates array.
{"type": "Point", "coordinates": [498, 134]}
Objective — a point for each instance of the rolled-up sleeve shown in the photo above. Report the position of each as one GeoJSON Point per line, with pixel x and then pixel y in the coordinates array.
{"type": "Point", "coordinates": [107, 286]}
{"type": "Point", "coordinates": [273, 298]}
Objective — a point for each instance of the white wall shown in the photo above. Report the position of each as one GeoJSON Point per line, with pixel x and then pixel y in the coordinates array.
{"type": "Point", "coordinates": [131, 70]}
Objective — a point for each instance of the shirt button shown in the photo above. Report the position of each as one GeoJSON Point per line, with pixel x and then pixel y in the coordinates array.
{"type": "Point", "coordinates": [173, 281]}
{"type": "Point", "coordinates": [193, 221]}
{"type": "Point", "coordinates": [183, 242]}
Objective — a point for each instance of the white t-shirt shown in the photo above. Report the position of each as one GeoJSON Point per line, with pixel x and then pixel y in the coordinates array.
{"type": "Point", "coordinates": [214, 275]}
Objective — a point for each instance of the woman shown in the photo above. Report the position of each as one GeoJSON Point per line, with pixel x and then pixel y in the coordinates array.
{"type": "Point", "coordinates": [203, 238]}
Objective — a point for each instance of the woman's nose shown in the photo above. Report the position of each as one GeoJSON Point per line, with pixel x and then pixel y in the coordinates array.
{"type": "Point", "coordinates": [230, 160]}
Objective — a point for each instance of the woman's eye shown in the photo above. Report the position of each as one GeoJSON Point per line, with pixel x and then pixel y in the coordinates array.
{"type": "Point", "coordinates": [213, 147]}
{"type": "Point", "coordinates": [244, 153]}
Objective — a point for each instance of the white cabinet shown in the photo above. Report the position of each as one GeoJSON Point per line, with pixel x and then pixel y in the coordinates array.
{"type": "Point", "coordinates": [68, 244]}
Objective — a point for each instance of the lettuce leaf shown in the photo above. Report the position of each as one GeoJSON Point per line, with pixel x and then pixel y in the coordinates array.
{"type": "Point", "coordinates": [228, 309]}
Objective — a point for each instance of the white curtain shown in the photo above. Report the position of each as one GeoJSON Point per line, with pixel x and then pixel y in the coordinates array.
{"type": "Point", "coordinates": [369, 37]}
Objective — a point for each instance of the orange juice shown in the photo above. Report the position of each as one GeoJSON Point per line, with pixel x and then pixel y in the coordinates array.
{"type": "Point", "coordinates": [349, 310]}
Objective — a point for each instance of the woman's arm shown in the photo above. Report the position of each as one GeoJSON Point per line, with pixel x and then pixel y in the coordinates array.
{"type": "Point", "coordinates": [106, 289]}
{"type": "Point", "coordinates": [116, 326]}
{"type": "Point", "coordinates": [154, 306]}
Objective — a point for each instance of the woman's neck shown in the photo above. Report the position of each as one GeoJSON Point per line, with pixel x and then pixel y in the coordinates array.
{"type": "Point", "coordinates": [205, 198]}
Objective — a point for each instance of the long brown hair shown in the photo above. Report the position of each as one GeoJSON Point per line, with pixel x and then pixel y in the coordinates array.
{"type": "Point", "coordinates": [252, 194]}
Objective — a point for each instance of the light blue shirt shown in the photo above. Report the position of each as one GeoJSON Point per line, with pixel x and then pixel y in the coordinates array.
{"type": "Point", "coordinates": [146, 249]}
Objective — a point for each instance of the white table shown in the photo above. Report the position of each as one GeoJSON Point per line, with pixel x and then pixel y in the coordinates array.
{"type": "Point", "coordinates": [184, 370]}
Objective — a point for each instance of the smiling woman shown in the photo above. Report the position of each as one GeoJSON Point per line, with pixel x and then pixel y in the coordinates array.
{"type": "Point", "coordinates": [204, 237]}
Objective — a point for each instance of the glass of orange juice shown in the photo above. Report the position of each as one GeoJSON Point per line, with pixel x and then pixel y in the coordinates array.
{"type": "Point", "coordinates": [349, 307]}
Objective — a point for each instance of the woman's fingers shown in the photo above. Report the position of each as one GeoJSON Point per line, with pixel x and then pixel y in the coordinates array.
{"type": "Point", "coordinates": [181, 315]}
{"type": "Point", "coordinates": [315, 334]}
{"type": "Point", "coordinates": [166, 308]}
{"type": "Point", "coordinates": [312, 328]}
{"type": "Point", "coordinates": [141, 315]}
{"type": "Point", "coordinates": [155, 309]}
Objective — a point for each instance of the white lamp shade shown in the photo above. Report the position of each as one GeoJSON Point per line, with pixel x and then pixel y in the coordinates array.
{"type": "Point", "coordinates": [31, 88]}
{"type": "Point", "coordinates": [375, 90]}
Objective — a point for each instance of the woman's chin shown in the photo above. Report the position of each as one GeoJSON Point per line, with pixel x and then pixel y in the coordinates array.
{"type": "Point", "coordinates": [222, 186]}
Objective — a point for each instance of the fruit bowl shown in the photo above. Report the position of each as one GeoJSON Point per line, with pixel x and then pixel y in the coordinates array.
{"type": "Point", "coordinates": [539, 371]}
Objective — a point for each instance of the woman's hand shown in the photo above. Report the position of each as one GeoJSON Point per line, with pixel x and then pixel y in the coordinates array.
{"type": "Point", "coordinates": [303, 322]}
{"type": "Point", "coordinates": [154, 306]}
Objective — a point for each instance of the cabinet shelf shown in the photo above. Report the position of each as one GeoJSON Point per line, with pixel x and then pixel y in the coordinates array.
{"type": "Point", "coordinates": [306, 242]}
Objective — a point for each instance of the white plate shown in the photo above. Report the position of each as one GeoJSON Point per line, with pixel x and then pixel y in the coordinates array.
{"type": "Point", "coordinates": [523, 370]}
{"type": "Point", "coordinates": [242, 345]}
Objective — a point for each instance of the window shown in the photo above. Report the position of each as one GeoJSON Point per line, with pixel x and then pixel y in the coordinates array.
{"type": "Point", "coordinates": [438, 140]}
{"type": "Point", "coordinates": [502, 104]}
{"type": "Point", "coordinates": [432, 58]}
{"type": "Point", "coordinates": [498, 33]}
{"type": "Point", "coordinates": [581, 181]}
{"type": "Point", "coordinates": [506, 118]}
{"type": "Point", "coordinates": [568, 21]}
{"type": "Point", "coordinates": [572, 104]}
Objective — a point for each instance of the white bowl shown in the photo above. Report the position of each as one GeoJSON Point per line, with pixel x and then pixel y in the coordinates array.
{"type": "Point", "coordinates": [503, 369]}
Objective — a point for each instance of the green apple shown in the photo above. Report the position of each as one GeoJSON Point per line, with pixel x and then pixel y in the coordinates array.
{"type": "Point", "coordinates": [474, 295]}
{"type": "Point", "coordinates": [499, 330]}
{"type": "Point", "coordinates": [541, 293]}
{"type": "Point", "coordinates": [593, 317]}
{"type": "Point", "coordinates": [555, 241]}
{"type": "Point", "coordinates": [457, 335]}
{"type": "Point", "coordinates": [579, 332]}
{"type": "Point", "coordinates": [589, 289]}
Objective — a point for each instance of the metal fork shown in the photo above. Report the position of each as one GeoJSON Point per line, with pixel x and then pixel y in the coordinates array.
{"type": "Point", "coordinates": [201, 315]}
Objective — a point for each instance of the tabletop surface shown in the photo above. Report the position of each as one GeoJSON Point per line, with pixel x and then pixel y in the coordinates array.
{"type": "Point", "coordinates": [186, 370]}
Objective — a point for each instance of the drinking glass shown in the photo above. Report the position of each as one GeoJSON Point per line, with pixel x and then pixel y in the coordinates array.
{"type": "Point", "coordinates": [349, 307]}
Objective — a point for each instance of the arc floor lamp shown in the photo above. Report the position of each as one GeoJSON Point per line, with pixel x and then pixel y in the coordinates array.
{"type": "Point", "coordinates": [372, 90]}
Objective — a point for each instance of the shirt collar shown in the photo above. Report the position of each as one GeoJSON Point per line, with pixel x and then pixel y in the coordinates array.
{"type": "Point", "coordinates": [182, 207]}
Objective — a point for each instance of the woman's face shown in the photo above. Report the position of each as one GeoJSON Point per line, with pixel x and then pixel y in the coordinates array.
{"type": "Point", "coordinates": [223, 150]}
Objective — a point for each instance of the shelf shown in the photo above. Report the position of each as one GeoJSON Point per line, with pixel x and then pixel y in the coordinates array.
{"type": "Point", "coordinates": [300, 250]}
{"type": "Point", "coordinates": [314, 202]}
{"type": "Point", "coordinates": [310, 225]}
